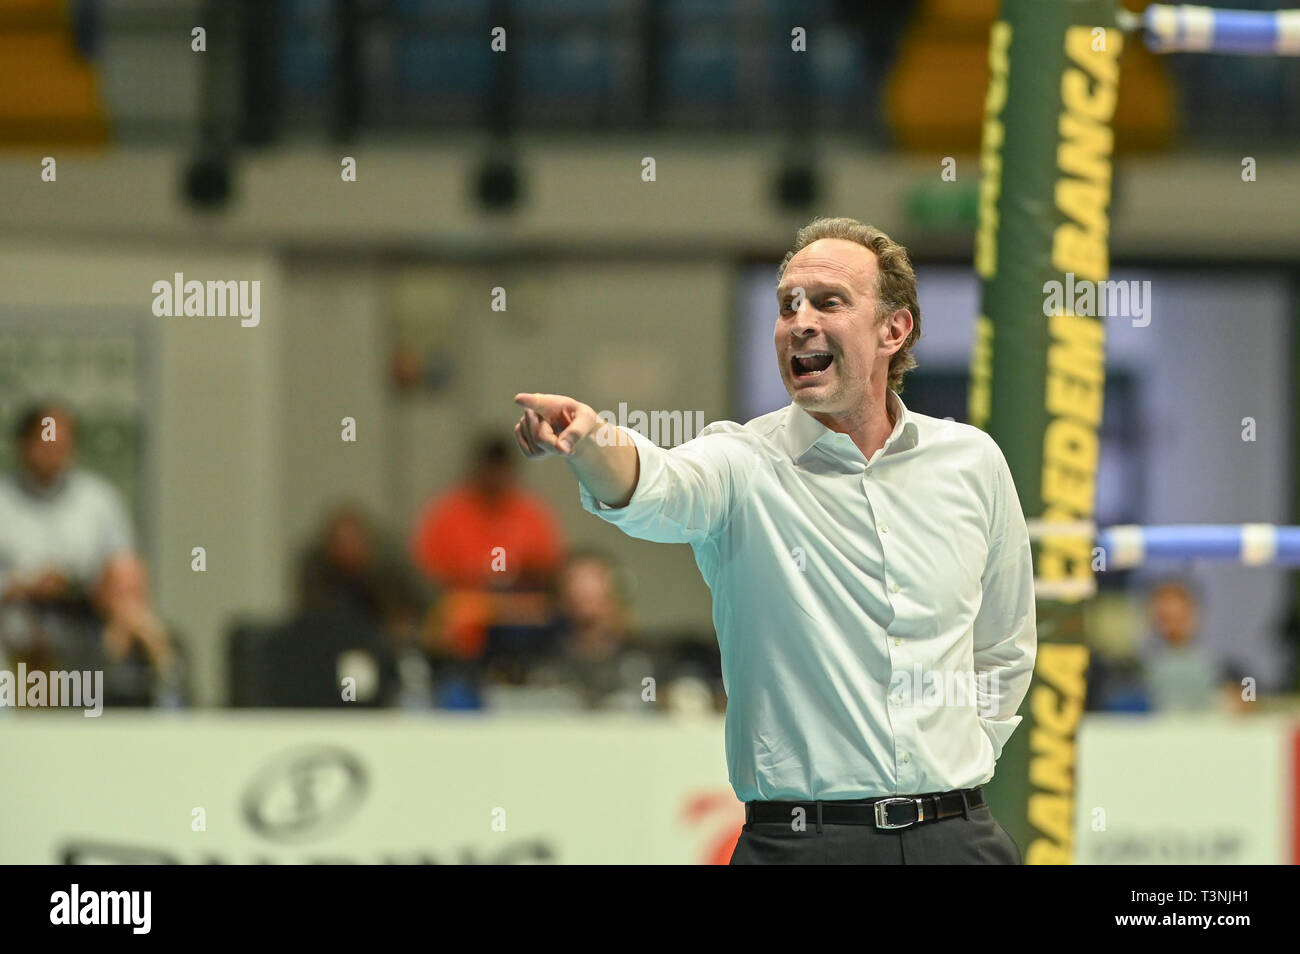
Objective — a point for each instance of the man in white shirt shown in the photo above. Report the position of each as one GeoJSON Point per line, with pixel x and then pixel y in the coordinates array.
{"type": "Point", "coordinates": [67, 556]}
{"type": "Point", "coordinates": [870, 569]}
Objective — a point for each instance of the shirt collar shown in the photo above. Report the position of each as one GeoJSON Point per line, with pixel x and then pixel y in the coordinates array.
{"type": "Point", "coordinates": [803, 431]}
{"type": "Point", "coordinates": [28, 485]}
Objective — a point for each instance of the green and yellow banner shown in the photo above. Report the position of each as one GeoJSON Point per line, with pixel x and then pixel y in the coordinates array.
{"type": "Point", "coordinates": [1038, 369]}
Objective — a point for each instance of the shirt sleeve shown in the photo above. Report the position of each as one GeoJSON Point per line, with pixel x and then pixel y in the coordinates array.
{"type": "Point", "coordinates": [683, 495]}
{"type": "Point", "coordinates": [1006, 634]}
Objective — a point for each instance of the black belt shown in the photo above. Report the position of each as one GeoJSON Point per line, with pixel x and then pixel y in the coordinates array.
{"type": "Point", "coordinates": [887, 813]}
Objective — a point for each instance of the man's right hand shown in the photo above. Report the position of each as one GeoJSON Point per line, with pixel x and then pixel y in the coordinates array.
{"type": "Point", "coordinates": [552, 424]}
{"type": "Point", "coordinates": [604, 460]}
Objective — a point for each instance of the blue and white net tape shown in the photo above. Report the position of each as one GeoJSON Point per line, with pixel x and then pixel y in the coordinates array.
{"type": "Point", "coordinates": [1193, 29]}
{"type": "Point", "coordinates": [1249, 544]}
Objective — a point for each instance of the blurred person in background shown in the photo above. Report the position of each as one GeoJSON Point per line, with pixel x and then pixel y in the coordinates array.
{"type": "Point", "coordinates": [349, 572]}
{"type": "Point", "coordinates": [596, 651]}
{"type": "Point", "coordinates": [493, 550]}
{"type": "Point", "coordinates": [1180, 674]}
{"type": "Point", "coordinates": [73, 592]}
{"type": "Point", "coordinates": [347, 568]}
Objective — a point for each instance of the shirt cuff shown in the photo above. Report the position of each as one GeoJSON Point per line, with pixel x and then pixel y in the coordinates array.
{"type": "Point", "coordinates": [649, 467]}
{"type": "Point", "coordinates": [998, 731]}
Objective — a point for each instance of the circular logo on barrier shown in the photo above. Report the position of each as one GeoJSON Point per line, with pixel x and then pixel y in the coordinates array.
{"type": "Point", "coordinates": [305, 793]}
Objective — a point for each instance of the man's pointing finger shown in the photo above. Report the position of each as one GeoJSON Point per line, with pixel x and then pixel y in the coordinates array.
{"type": "Point", "coordinates": [534, 401]}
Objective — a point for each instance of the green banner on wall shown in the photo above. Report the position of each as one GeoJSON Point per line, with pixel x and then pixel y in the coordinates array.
{"type": "Point", "coordinates": [1039, 362]}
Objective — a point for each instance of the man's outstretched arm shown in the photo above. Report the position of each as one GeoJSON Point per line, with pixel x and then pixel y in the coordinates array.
{"type": "Point", "coordinates": [605, 463]}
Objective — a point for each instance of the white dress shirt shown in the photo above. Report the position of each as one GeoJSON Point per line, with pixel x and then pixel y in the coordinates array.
{"type": "Point", "coordinates": [854, 600]}
{"type": "Point", "coordinates": [73, 526]}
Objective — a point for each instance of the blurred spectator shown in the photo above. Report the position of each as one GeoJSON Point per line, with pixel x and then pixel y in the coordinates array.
{"type": "Point", "coordinates": [1180, 674]}
{"type": "Point", "coordinates": [349, 574]}
{"type": "Point", "coordinates": [596, 649]}
{"type": "Point", "coordinates": [348, 568]}
{"type": "Point", "coordinates": [73, 593]}
{"type": "Point", "coordinates": [492, 548]}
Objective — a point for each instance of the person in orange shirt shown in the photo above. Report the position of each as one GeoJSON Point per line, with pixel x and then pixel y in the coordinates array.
{"type": "Point", "coordinates": [492, 548]}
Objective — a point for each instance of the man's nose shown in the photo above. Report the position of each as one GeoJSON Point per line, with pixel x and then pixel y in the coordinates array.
{"type": "Point", "coordinates": [804, 323]}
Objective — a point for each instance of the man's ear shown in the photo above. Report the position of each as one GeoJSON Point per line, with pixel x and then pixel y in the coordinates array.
{"type": "Point", "coordinates": [898, 325]}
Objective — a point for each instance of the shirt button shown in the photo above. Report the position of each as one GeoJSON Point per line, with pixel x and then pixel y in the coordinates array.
{"type": "Point", "coordinates": [883, 528]}
{"type": "Point", "coordinates": [897, 641]}
{"type": "Point", "coordinates": [867, 472]}
{"type": "Point", "coordinates": [907, 757]}
{"type": "Point", "coordinates": [893, 587]}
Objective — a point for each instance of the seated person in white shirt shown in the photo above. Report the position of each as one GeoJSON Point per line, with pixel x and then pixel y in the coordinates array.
{"type": "Point", "coordinates": [870, 570]}
{"type": "Point", "coordinates": [67, 562]}
{"type": "Point", "coordinates": [1181, 673]}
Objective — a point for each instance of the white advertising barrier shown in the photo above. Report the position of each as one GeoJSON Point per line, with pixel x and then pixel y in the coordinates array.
{"type": "Point", "coordinates": [241, 788]}
{"type": "Point", "coordinates": [1187, 790]}
{"type": "Point", "coordinates": [275, 788]}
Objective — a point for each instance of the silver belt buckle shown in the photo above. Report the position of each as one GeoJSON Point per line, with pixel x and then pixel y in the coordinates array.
{"type": "Point", "coordinates": [882, 813]}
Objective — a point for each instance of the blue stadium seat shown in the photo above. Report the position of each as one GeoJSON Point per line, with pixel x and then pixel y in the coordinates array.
{"type": "Point", "coordinates": [312, 14]}
{"type": "Point", "coordinates": [682, 12]}
{"type": "Point", "coordinates": [450, 9]}
{"type": "Point", "coordinates": [838, 65]}
{"type": "Point", "coordinates": [451, 65]}
{"type": "Point", "coordinates": [577, 65]}
{"type": "Point", "coordinates": [307, 63]}
{"type": "Point", "coordinates": [591, 10]}
{"type": "Point", "coordinates": [801, 12]}
{"type": "Point", "coordinates": [701, 72]}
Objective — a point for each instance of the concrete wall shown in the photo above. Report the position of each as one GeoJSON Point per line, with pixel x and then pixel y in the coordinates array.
{"type": "Point", "coordinates": [588, 195]}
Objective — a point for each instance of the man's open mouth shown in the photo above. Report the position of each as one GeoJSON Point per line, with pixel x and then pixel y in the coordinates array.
{"type": "Point", "coordinates": [810, 363]}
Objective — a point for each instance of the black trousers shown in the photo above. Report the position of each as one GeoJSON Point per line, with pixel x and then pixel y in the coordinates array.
{"type": "Point", "coordinates": [974, 840]}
